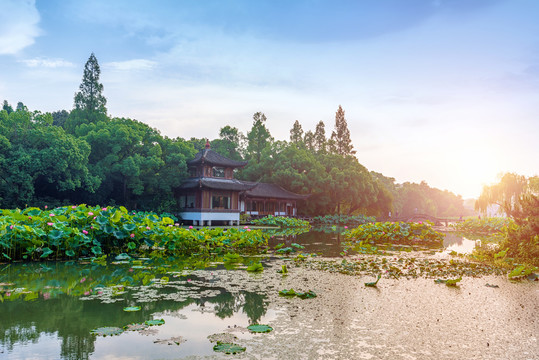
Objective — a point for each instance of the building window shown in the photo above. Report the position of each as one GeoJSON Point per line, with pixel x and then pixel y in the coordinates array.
{"type": "Point", "coordinates": [220, 202]}
{"type": "Point", "coordinates": [187, 201]}
{"type": "Point", "coordinates": [218, 172]}
{"type": "Point", "coordinates": [193, 172]}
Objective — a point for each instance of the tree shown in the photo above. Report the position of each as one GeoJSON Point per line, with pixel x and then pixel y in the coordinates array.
{"type": "Point", "coordinates": [7, 107]}
{"type": "Point", "coordinates": [258, 138]}
{"type": "Point", "coordinates": [506, 193]}
{"type": "Point", "coordinates": [342, 144]}
{"type": "Point", "coordinates": [60, 117]}
{"type": "Point", "coordinates": [296, 133]}
{"type": "Point", "coordinates": [308, 140]}
{"type": "Point", "coordinates": [320, 142]}
{"type": "Point", "coordinates": [90, 97]}
{"type": "Point", "coordinates": [89, 102]}
{"type": "Point", "coordinates": [21, 107]}
{"type": "Point", "coordinates": [230, 143]}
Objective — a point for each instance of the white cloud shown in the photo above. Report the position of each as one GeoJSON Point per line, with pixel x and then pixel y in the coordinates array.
{"type": "Point", "coordinates": [131, 65]}
{"type": "Point", "coordinates": [18, 25]}
{"type": "Point", "coordinates": [47, 63]}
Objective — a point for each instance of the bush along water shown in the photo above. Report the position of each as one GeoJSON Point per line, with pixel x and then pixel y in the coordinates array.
{"type": "Point", "coordinates": [392, 233]}
{"type": "Point", "coordinates": [484, 226]}
{"type": "Point", "coordinates": [72, 232]}
{"type": "Point", "coordinates": [342, 220]}
{"type": "Point", "coordinates": [282, 222]}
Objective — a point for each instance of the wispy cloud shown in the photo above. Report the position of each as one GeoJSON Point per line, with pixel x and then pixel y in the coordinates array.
{"type": "Point", "coordinates": [47, 63]}
{"type": "Point", "coordinates": [131, 65]}
{"type": "Point", "coordinates": [18, 25]}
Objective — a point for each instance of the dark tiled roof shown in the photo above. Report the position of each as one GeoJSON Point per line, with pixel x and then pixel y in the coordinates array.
{"type": "Point", "coordinates": [211, 157]}
{"type": "Point", "coordinates": [265, 190]}
{"type": "Point", "coordinates": [217, 184]}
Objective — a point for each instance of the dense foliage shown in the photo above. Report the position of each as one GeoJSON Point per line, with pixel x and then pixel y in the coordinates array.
{"type": "Point", "coordinates": [282, 222]}
{"type": "Point", "coordinates": [483, 225]}
{"type": "Point", "coordinates": [395, 232]}
{"type": "Point", "coordinates": [343, 220]}
{"type": "Point", "coordinates": [78, 231]}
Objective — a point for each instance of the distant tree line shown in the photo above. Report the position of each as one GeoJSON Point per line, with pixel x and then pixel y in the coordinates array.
{"type": "Point", "coordinates": [86, 156]}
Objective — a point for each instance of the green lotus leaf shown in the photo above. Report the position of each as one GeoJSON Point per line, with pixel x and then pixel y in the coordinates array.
{"type": "Point", "coordinates": [286, 292]}
{"type": "Point", "coordinates": [258, 328]}
{"type": "Point", "coordinates": [374, 283]}
{"type": "Point", "coordinates": [119, 234]}
{"type": "Point", "coordinates": [228, 348]}
{"type": "Point", "coordinates": [256, 267]}
{"type": "Point", "coordinates": [101, 220]}
{"type": "Point", "coordinates": [46, 252]}
{"type": "Point", "coordinates": [307, 295]}
{"type": "Point", "coordinates": [70, 253]}
{"type": "Point", "coordinates": [122, 256]}
{"type": "Point", "coordinates": [109, 229]}
{"type": "Point", "coordinates": [453, 282]}
{"type": "Point", "coordinates": [129, 227]}
{"type": "Point", "coordinates": [107, 331]}
{"type": "Point", "coordinates": [132, 308]}
{"type": "Point", "coordinates": [154, 322]}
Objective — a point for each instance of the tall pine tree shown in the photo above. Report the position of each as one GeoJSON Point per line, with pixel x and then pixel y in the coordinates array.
{"type": "Point", "coordinates": [296, 133]}
{"type": "Point", "coordinates": [258, 138]}
{"type": "Point", "coordinates": [320, 141]}
{"type": "Point", "coordinates": [90, 97]}
{"type": "Point", "coordinates": [340, 138]}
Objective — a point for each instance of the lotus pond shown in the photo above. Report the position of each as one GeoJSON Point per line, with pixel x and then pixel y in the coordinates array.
{"type": "Point", "coordinates": [168, 308]}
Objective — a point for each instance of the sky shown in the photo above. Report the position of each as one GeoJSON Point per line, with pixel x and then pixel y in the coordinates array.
{"type": "Point", "coordinates": [442, 91]}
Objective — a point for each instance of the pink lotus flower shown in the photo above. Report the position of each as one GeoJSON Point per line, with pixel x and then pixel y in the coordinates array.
{"type": "Point", "coordinates": [51, 215]}
{"type": "Point", "coordinates": [29, 218]}
{"type": "Point", "coordinates": [73, 207]}
{"type": "Point", "coordinates": [147, 228]}
{"type": "Point", "coordinates": [45, 206]}
{"type": "Point", "coordinates": [86, 293]}
{"type": "Point", "coordinates": [420, 222]}
{"type": "Point", "coordinates": [176, 224]}
{"type": "Point", "coordinates": [248, 229]}
{"type": "Point", "coordinates": [188, 280]}
{"type": "Point", "coordinates": [104, 209]}
{"type": "Point", "coordinates": [50, 224]}
{"type": "Point", "coordinates": [131, 270]}
{"type": "Point", "coordinates": [132, 235]}
{"type": "Point", "coordinates": [85, 232]}
{"type": "Point", "coordinates": [190, 227]}
{"type": "Point", "coordinates": [46, 296]}
{"type": "Point", "coordinates": [8, 294]}
{"type": "Point", "coordinates": [346, 227]}
{"type": "Point", "coordinates": [90, 214]}
{"type": "Point", "coordinates": [82, 280]}
{"type": "Point", "coordinates": [91, 227]}
{"type": "Point", "coordinates": [11, 226]}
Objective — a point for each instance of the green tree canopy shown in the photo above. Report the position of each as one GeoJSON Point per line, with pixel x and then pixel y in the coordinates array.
{"type": "Point", "coordinates": [340, 138]}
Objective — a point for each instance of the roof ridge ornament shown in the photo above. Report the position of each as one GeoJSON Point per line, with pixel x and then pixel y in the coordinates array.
{"type": "Point", "coordinates": [208, 144]}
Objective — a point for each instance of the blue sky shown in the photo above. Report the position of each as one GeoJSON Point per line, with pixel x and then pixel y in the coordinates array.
{"type": "Point", "coordinates": [444, 91]}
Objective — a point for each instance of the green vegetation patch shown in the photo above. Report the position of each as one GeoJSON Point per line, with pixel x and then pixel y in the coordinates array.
{"type": "Point", "coordinates": [259, 328]}
{"type": "Point", "coordinates": [107, 331]}
{"type": "Point", "coordinates": [282, 222]}
{"type": "Point", "coordinates": [228, 348]}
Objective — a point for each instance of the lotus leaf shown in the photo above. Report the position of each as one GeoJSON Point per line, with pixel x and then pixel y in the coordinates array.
{"type": "Point", "coordinates": [453, 282]}
{"type": "Point", "coordinates": [228, 348]}
{"type": "Point", "coordinates": [258, 328]}
{"type": "Point", "coordinates": [154, 322]}
{"type": "Point", "coordinates": [256, 267]}
{"type": "Point", "coordinates": [307, 295]}
{"type": "Point", "coordinates": [46, 252]}
{"type": "Point", "coordinates": [122, 256]}
{"type": "Point", "coordinates": [132, 308]}
{"type": "Point", "coordinates": [286, 292]}
{"type": "Point", "coordinates": [107, 331]}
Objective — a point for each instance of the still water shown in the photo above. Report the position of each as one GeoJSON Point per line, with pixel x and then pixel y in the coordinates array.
{"type": "Point", "coordinates": [49, 310]}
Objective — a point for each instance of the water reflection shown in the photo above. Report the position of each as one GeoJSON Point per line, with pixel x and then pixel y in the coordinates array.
{"type": "Point", "coordinates": [58, 305]}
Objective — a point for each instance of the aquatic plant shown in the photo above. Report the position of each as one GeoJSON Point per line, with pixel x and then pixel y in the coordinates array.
{"type": "Point", "coordinates": [255, 267]}
{"type": "Point", "coordinates": [374, 283]}
{"type": "Point", "coordinates": [107, 331]}
{"type": "Point", "coordinates": [259, 328]}
{"type": "Point", "coordinates": [79, 231]}
{"type": "Point", "coordinates": [481, 226]}
{"type": "Point", "coordinates": [228, 348]}
{"type": "Point", "coordinates": [282, 222]}
{"type": "Point", "coordinates": [343, 220]}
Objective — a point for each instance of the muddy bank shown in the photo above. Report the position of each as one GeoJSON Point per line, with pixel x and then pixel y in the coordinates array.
{"type": "Point", "coordinates": [400, 319]}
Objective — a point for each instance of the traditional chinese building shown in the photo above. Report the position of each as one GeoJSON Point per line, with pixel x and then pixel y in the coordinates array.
{"type": "Point", "coordinates": [211, 194]}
